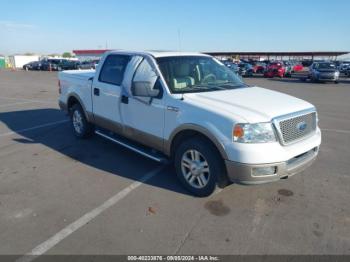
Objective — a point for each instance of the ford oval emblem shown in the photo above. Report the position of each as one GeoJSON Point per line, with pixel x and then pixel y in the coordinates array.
{"type": "Point", "coordinates": [301, 126]}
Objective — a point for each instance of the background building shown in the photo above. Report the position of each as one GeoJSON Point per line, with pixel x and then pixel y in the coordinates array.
{"type": "Point", "coordinates": [18, 61]}
{"type": "Point", "coordinates": [327, 55]}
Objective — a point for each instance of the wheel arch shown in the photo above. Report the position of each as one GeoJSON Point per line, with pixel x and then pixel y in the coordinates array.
{"type": "Point", "coordinates": [73, 99]}
{"type": "Point", "coordinates": [189, 130]}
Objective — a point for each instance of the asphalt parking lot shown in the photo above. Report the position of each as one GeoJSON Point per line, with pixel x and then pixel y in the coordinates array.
{"type": "Point", "coordinates": [60, 195]}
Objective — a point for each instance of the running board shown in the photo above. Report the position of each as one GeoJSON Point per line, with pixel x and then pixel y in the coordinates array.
{"type": "Point", "coordinates": [136, 148]}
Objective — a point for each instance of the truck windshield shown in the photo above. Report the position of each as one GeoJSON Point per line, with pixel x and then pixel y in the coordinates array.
{"type": "Point", "coordinates": [189, 74]}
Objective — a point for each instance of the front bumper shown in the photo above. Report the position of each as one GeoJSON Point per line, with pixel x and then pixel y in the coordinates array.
{"type": "Point", "coordinates": [243, 173]}
{"type": "Point", "coordinates": [327, 77]}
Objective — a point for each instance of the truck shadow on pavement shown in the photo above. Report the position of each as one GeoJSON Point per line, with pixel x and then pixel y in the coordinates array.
{"type": "Point", "coordinates": [94, 152]}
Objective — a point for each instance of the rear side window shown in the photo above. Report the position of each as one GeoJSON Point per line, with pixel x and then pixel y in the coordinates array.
{"type": "Point", "coordinates": [113, 69]}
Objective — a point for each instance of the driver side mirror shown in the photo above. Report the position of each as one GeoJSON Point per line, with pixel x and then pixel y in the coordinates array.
{"type": "Point", "coordinates": [144, 89]}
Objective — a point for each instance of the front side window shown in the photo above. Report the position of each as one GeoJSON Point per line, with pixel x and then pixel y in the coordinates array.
{"type": "Point", "coordinates": [187, 74]}
{"type": "Point", "coordinates": [113, 69]}
{"type": "Point", "coordinates": [145, 73]}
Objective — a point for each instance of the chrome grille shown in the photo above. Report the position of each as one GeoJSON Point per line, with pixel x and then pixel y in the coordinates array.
{"type": "Point", "coordinates": [296, 127]}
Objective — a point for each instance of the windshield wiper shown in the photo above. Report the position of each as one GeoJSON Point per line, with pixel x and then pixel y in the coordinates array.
{"type": "Point", "coordinates": [213, 87]}
{"type": "Point", "coordinates": [236, 85]}
{"type": "Point", "coordinates": [190, 89]}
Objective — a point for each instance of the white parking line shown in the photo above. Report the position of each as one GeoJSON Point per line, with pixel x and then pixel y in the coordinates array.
{"type": "Point", "coordinates": [28, 100]}
{"type": "Point", "coordinates": [336, 130]}
{"type": "Point", "coordinates": [33, 128]}
{"type": "Point", "coordinates": [71, 228]}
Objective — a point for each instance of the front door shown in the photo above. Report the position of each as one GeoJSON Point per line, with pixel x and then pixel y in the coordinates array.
{"type": "Point", "coordinates": [143, 117]}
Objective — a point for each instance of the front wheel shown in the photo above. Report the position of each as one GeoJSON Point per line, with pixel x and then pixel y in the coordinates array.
{"type": "Point", "coordinates": [198, 166]}
{"type": "Point", "coordinates": [81, 127]}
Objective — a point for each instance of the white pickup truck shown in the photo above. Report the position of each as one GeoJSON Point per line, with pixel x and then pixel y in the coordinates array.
{"type": "Point", "coordinates": [190, 109]}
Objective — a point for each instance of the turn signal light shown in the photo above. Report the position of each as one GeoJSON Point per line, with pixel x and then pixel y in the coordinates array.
{"type": "Point", "coordinates": [238, 131]}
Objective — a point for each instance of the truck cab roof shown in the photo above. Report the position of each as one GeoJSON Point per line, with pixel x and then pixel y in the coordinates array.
{"type": "Point", "coordinates": [156, 54]}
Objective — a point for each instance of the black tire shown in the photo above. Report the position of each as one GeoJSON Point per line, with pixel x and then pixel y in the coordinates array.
{"type": "Point", "coordinates": [211, 156]}
{"type": "Point", "coordinates": [336, 82]}
{"type": "Point", "coordinates": [85, 128]}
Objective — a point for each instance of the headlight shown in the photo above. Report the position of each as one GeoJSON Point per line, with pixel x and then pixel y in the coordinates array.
{"type": "Point", "coordinates": [253, 133]}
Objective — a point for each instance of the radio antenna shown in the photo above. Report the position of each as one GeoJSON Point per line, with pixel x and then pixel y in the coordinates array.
{"type": "Point", "coordinates": [179, 38]}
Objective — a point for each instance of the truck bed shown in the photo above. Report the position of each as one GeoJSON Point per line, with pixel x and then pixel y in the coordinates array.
{"type": "Point", "coordinates": [77, 80]}
{"type": "Point", "coordinates": [77, 74]}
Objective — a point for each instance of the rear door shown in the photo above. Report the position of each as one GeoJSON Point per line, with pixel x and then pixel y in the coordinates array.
{"type": "Point", "coordinates": [107, 90]}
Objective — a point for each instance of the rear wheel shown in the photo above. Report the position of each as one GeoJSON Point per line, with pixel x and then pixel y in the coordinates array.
{"type": "Point", "coordinates": [81, 127]}
{"type": "Point", "coordinates": [198, 166]}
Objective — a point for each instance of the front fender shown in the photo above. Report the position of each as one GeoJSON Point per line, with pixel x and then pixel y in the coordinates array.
{"type": "Point", "coordinates": [215, 139]}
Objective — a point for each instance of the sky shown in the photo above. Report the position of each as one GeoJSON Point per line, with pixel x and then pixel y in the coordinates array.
{"type": "Point", "coordinates": [47, 27]}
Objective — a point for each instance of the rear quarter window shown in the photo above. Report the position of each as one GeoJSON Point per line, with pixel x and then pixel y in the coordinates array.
{"type": "Point", "coordinates": [113, 69]}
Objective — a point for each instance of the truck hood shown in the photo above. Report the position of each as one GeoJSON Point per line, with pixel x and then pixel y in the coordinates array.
{"type": "Point", "coordinates": [253, 104]}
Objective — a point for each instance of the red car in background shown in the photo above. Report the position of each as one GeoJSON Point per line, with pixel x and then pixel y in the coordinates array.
{"type": "Point", "coordinates": [297, 67]}
{"type": "Point", "coordinates": [275, 69]}
{"type": "Point", "coordinates": [259, 68]}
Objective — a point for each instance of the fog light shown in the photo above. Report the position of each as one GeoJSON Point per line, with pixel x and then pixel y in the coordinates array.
{"type": "Point", "coordinates": [264, 171]}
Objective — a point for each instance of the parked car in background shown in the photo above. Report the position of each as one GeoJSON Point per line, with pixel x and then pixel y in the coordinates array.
{"type": "Point", "coordinates": [233, 66]}
{"type": "Point", "coordinates": [52, 64]}
{"type": "Point", "coordinates": [288, 68]}
{"type": "Point", "coordinates": [337, 63]}
{"type": "Point", "coordinates": [347, 73]}
{"type": "Point", "coordinates": [47, 65]}
{"type": "Point", "coordinates": [343, 66]}
{"type": "Point", "coordinates": [91, 64]}
{"type": "Point", "coordinates": [58, 65]}
{"type": "Point", "coordinates": [259, 68]}
{"type": "Point", "coordinates": [309, 62]}
{"type": "Point", "coordinates": [35, 65]}
{"type": "Point", "coordinates": [67, 65]}
{"type": "Point", "coordinates": [323, 71]}
{"type": "Point", "coordinates": [275, 69]}
{"type": "Point", "coordinates": [245, 69]}
{"type": "Point", "coordinates": [306, 62]}
{"type": "Point", "coordinates": [297, 67]}
{"type": "Point", "coordinates": [235, 69]}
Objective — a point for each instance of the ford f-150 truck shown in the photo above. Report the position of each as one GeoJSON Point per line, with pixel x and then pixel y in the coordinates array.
{"type": "Point", "coordinates": [191, 109]}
